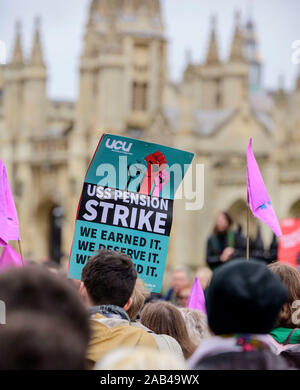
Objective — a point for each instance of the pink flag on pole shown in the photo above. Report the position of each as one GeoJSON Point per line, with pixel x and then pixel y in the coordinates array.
{"type": "Point", "coordinates": [196, 299]}
{"type": "Point", "coordinates": [9, 225]}
{"type": "Point", "coordinates": [9, 258]}
{"type": "Point", "coordinates": [258, 198]}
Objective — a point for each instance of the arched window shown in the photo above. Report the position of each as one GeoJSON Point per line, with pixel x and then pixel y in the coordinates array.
{"type": "Point", "coordinates": [218, 100]}
{"type": "Point", "coordinates": [56, 221]}
{"type": "Point", "coordinates": [139, 96]}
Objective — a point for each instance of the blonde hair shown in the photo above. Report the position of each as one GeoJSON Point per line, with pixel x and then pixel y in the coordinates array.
{"type": "Point", "coordinates": [140, 358]}
{"type": "Point", "coordinates": [290, 277]}
{"type": "Point", "coordinates": [165, 318]}
{"type": "Point", "coordinates": [139, 295]}
{"type": "Point", "coordinates": [196, 323]}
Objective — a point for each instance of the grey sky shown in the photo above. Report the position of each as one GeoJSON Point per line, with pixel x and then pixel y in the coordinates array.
{"type": "Point", "coordinates": [187, 27]}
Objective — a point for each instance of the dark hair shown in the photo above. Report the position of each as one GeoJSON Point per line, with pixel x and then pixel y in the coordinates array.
{"type": "Point", "coordinates": [228, 219]}
{"type": "Point", "coordinates": [109, 278]}
{"type": "Point", "coordinates": [36, 289]}
{"type": "Point", "coordinates": [290, 277]}
{"type": "Point", "coordinates": [166, 318]}
{"type": "Point", "coordinates": [37, 341]}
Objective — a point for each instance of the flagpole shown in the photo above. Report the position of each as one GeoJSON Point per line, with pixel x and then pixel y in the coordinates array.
{"type": "Point", "coordinates": [21, 251]}
{"type": "Point", "coordinates": [248, 233]}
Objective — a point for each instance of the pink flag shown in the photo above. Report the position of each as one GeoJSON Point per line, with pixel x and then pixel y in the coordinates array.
{"type": "Point", "coordinates": [196, 299]}
{"type": "Point", "coordinates": [258, 198]}
{"type": "Point", "coordinates": [9, 258]}
{"type": "Point", "coordinates": [9, 225]}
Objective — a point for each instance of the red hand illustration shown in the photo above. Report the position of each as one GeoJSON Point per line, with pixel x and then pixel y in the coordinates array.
{"type": "Point", "coordinates": [156, 163]}
{"type": "Point", "coordinates": [160, 180]}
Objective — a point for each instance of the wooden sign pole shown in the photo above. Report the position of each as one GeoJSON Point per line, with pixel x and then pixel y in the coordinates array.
{"type": "Point", "coordinates": [21, 251]}
{"type": "Point", "coordinates": [248, 234]}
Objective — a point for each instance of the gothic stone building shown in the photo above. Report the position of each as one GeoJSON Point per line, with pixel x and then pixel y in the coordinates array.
{"type": "Point", "coordinates": [124, 88]}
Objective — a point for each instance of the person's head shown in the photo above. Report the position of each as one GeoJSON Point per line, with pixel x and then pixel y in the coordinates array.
{"type": "Point", "coordinates": [223, 222]}
{"type": "Point", "coordinates": [38, 341]}
{"type": "Point", "coordinates": [165, 318]}
{"type": "Point", "coordinates": [290, 277]}
{"type": "Point", "coordinates": [196, 324]}
{"type": "Point", "coordinates": [179, 278]}
{"type": "Point", "coordinates": [183, 295]}
{"type": "Point", "coordinates": [52, 266]}
{"type": "Point", "coordinates": [36, 289]}
{"type": "Point", "coordinates": [108, 278]}
{"type": "Point", "coordinates": [244, 297]}
{"type": "Point", "coordinates": [140, 358]}
{"type": "Point", "coordinates": [139, 296]}
{"type": "Point", "coordinates": [204, 275]}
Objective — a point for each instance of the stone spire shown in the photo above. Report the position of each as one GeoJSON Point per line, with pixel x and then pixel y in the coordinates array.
{"type": "Point", "coordinates": [36, 53]}
{"type": "Point", "coordinates": [237, 48]}
{"type": "Point", "coordinates": [212, 57]}
{"type": "Point", "coordinates": [252, 55]}
{"type": "Point", "coordinates": [112, 42]}
{"type": "Point", "coordinates": [17, 57]}
{"type": "Point", "coordinates": [35, 88]}
{"type": "Point", "coordinates": [252, 49]}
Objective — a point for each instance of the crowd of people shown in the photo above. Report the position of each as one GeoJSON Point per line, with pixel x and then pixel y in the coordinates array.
{"type": "Point", "coordinates": [110, 321]}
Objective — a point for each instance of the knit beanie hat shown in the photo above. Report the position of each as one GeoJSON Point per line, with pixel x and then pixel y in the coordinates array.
{"type": "Point", "coordinates": [244, 297]}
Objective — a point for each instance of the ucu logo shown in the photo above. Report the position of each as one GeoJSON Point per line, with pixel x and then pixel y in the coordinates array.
{"type": "Point", "coordinates": [118, 145]}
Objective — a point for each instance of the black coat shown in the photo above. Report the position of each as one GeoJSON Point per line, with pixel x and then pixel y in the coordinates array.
{"type": "Point", "coordinates": [216, 245]}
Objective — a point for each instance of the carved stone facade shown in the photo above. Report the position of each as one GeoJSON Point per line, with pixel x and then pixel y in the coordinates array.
{"type": "Point", "coordinates": [124, 88]}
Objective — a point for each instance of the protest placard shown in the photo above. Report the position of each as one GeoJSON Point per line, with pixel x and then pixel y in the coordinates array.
{"type": "Point", "coordinates": [127, 205]}
{"type": "Point", "coordinates": [289, 243]}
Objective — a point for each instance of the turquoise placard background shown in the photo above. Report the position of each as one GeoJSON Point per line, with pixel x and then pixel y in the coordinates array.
{"type": "Point", "coordinates": [119, 162]}
{"type": "Point", "coordinates": [153, 280]}
{"type": "Point", "coordinates": [178, 159]}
